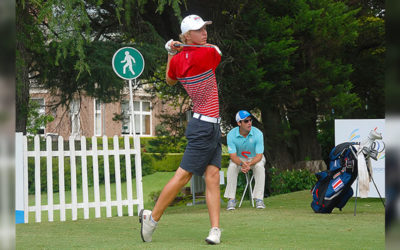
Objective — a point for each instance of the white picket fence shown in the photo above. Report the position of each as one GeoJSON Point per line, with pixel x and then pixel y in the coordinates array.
{"type": "Point", "coordinates": [83, 153]}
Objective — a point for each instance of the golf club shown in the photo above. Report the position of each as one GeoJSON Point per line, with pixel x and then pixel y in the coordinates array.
{"type": "Point", "coordinates": [197, 45]}
{"type": "Point", "coordinates": [192, 45]}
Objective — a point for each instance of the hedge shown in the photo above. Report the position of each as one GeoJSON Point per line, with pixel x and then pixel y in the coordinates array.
{"type": "Point", "coordinates": [164, 163]}
{"type": "Point", "coordinates": [170, 162]}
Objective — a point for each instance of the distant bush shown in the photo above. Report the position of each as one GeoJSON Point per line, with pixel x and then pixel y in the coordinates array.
{"type": "Point", "coordinates": [171, 161]}
{"type": "Point", "coordinates": [225, 160]}
{"type": "Point", "coordinates": [282, 181]}
{"type": "Point", "coordinates": [165, 144]}
{"type": "Point", "coordinates": [287, 181]}
{"type": "Point", "coordinates": [164, 163]}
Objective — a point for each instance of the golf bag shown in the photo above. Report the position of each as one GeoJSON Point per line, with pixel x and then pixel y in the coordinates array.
{"type": "Point", "coordinates": [333, 187]}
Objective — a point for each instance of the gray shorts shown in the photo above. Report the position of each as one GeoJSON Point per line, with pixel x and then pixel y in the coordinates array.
{"type": "Point", "coordinates": [203, 148]}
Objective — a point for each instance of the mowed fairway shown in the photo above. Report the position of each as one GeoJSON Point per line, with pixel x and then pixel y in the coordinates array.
{"type": "Point", "coordinates": [287, 223]}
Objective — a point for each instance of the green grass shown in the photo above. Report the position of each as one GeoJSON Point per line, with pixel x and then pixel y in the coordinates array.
{"type": "Point", "coordinates": [288, 222]}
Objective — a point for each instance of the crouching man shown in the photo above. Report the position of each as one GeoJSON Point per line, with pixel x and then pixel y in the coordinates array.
{"type": "Point", "coordinates": [246, 148]}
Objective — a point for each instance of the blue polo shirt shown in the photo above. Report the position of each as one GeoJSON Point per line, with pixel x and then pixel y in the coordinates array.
{"type": "Point", "coordinates": [253, 143]}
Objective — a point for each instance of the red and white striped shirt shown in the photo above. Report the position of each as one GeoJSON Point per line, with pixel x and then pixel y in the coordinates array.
{"type": "Point", "coordinates": [195, 68]}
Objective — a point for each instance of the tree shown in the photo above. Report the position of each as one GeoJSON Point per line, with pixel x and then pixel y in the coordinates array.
{"type": "Point", "coordinates": [287, 61]}
{"type": "Point", "coordinates": [64, 46]}
{"type": "Point", "coordinates": [37, 24]}
{"type": "Point", "coordinates": [36, 121]}
{"type": "Point", "coordinates": [321, 77]}
{"type": "Point", "coordinates": [368, 60]}
{"type": "Point", "coordinates": [293, 63]}
{"type": "Point", "coordinates": [367, 57]}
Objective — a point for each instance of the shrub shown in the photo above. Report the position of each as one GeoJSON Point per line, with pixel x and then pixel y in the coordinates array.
{"type": "Point", "coordinates": [290, 180]}
{"type": "Point", "coordinates": [225, 160]}
{"type": "Point", "coordinates": [282, 181]}
{"type": "Point", "coordinates": [171, 161]}
{"type": "Point", "coordinates": [166, 144]}
{"type": "Point", "coordinates": [144, 142]}
{"type": "Point", "coordinates": [167, 163]}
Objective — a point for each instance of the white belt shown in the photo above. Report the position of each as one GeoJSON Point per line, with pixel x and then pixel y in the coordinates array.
{"type": "Point", "coordinates": [206, 118]}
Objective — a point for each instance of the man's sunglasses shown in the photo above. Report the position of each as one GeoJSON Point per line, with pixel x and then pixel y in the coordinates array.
{"type": "Point", "coordinates": [248, 120]}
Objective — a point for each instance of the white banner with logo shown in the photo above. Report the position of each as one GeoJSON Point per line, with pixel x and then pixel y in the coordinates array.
{"type": "Point", "coordinates": [356, 131]}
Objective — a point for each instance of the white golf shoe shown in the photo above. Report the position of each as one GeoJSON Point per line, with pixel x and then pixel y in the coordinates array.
{"type": "Point", "coordinates": [147, 225]}
{"type": "Point", "coordinates": [231, 205]}
{"type": "Point", "coordinates": [214, 236]}
{"type": "Point", "coordinates": [260, 204]}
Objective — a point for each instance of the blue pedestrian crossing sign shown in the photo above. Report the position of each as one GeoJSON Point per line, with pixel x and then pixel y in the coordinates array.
{"type": "Point", "coordinates": [128, 63]}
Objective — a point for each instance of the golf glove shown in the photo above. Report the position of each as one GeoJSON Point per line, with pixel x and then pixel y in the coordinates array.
{"type": "Point", "coordinates": [169, 48]}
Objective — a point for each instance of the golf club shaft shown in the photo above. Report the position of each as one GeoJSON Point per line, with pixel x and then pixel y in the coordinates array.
{"type": "Point", "coordinates": [370, 175]}
{"type": "Point", "coordinates": [192, 45]}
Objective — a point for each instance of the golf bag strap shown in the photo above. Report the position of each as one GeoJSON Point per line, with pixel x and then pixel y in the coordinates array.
{"type": "Point", "coordinates": [321, 192]}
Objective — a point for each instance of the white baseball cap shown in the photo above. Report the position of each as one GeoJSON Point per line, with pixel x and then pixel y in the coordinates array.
{"type": "Point", "coordinates": [241, 115]}
{"type": "Point", "coordinates": [193, 22]}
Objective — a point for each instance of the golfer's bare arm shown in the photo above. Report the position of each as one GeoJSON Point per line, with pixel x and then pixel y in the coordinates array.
{"type": "Point", "coordinates": [167, 78]}
{"type": "Point", "coordinates": [235, 158]}
{"type": "Point", "coordinates": [256, 159]}
{"type": "Point", "coordinates": [253, 161]}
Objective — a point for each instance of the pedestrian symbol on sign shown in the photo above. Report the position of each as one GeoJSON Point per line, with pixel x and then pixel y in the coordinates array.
{"type": "Point", "coordinates": [128, 63]}
{"type": "Point", "coordinates": [128, 59]}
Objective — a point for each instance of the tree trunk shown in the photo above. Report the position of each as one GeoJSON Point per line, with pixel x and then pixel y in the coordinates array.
{"type": "Point", "coordinates": [22, 75]}
{"type": "Point", "coordinates": [21, 94]}
{"type": "Point", "coordinates": [276, 146]}
{"type": "Point", "coordinates": [306, 143]}
{"type": "Point", "coordinates": [275, 142]}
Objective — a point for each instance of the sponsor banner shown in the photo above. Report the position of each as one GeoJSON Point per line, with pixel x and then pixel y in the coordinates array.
{"type": "Point", "coordinates": [357, 130]}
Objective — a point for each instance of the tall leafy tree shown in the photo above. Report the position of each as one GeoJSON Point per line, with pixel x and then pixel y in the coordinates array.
{"type": "Point", "coordinates": [321, 77]}
{"type": "Point", "coordinates": [367, 57]}
{"type": "Point", "coordinates": [287, 62]}
{"type": "Point", "coordinates": [66, 46]}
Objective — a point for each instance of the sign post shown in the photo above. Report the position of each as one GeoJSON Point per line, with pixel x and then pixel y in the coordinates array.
{"type": "Point", "coordinates": [128, 64]}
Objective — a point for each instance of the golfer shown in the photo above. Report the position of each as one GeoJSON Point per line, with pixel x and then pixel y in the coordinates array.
{"type": "Point", "coordinates": [195, 68]}
{"type": "Point", "coordinates": [246, 148]}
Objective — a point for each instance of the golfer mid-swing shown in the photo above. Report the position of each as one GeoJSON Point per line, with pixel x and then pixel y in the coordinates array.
{"type": "Point", "coordinates": [195, 68]}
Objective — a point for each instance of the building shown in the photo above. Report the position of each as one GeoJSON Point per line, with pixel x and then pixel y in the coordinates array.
{"type": "Point", "coordinates": [90, 117]}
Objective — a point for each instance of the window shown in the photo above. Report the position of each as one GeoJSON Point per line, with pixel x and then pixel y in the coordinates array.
{"type": "Point", "coordinates": [41, 111]}
{"type": "Point", "coordinates": [125, 117]}
{"type": "Point", "coordinates": [97, 117]}
{"type": "Point", "coordinates": [75, 118]}
{"type": "Point", "coordinates": [142, 117]}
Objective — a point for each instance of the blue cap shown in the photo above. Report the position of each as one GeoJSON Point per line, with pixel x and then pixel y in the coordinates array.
{"type": "Point", "coordinates": [241, 115]}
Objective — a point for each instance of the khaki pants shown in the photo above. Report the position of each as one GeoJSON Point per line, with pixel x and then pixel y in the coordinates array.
{"type": "Point", "coordinates": [259, 176]}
